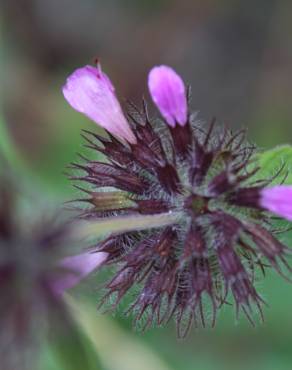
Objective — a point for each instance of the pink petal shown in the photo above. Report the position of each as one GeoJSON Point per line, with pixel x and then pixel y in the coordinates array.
{"type": "Point", "coordinates": [168, 93]}
{"type": "Point", "coordinates": [278, 199]}
{"type": "Point", "coordinates": [76, 268]}
{"type": "Point", "coordinates": [90, 91]}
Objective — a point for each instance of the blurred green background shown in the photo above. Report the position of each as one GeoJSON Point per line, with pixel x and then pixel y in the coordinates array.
{"type": "Point", "coordinates": [237, 55]}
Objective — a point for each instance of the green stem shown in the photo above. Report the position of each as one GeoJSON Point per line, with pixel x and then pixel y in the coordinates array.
{"type": "Point", "coordinates": [121, 224]}
{"type": "Point", "coordinates": [8, 149]}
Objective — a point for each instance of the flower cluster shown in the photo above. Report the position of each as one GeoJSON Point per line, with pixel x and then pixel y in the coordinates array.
{"type": "Point", "coordinates": [36, 267]}
{"type": "Point", "coordinates": [194, 215]}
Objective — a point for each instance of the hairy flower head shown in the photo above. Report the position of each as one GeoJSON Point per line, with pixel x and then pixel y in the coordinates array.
{"type": "Point", "coordinates": [185, 214]}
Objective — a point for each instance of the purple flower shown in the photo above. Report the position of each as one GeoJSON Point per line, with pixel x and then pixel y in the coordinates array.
{"type": "Point", "coordinates": [35, 269]}
{"type": "Point", "coordinates": [76, 268]}
{"type": "Point", "coordinates": [89, 91]}
{"type": "Point", "coordinates": [217, 237]}
{"type": "Point", "coordinates": [169, 94]}
{"type": "Point", "coordinates": [278, 199]}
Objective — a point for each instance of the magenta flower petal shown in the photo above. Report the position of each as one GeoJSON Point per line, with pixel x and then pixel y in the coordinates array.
{"type": "Point", "coordinates": [76, 268]}
{"type": "Point", "coordinates": [89, 91]}
{"type": "Point", "coordinates": [278, 200]}
{"type": "Point", "coordinates": [168, 92]}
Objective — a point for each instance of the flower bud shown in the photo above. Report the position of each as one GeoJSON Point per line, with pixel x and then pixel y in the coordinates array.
{"type": "Point", "coordinates": [89, 91]}
{"type": "Point", "coordinates": [168, 92]}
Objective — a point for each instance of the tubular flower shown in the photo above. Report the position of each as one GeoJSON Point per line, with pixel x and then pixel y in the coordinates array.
{"type": "Point", "coordinates": [89, 91]}
{"type": "Point", "coordinates": [169, 94]}
{"type": "Point", "coordinates": [210, 236]}
{"type": "Point", "coordinates": [278, 199]}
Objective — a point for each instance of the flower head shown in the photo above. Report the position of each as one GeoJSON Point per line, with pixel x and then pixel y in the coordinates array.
{"type": "Point", "coordinates": [169, 94]}
{"type": "Point", "coordinates": [36, 267]}
{"type": "Point", "coordinates": [188, 228]}
{"type": "Point", "coordinates": [89, 91]}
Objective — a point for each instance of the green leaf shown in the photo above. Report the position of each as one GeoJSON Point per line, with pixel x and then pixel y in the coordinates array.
{"type": "Point", "coordinates": [118, 349]}
{"type": "Point", "coordinates": [275, 161]}
{"type": "Point", "coordinates": [68, 348]}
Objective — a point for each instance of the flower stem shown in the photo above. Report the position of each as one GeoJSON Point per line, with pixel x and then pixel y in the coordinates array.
{"type": "Point", "coordinates": [118, 224]}
{"type": "Point", "coordinates": [8, 150]}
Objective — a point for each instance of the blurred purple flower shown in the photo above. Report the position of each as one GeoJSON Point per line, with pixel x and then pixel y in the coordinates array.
{"type": "Point", "coordinates": [89, 91]}
{"type": "Point", "coordinates": [35, 270]}
{"type": "Point", "coordinates": [169, 94]}
{"type": "Point", "coordinates": [76, 268]}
